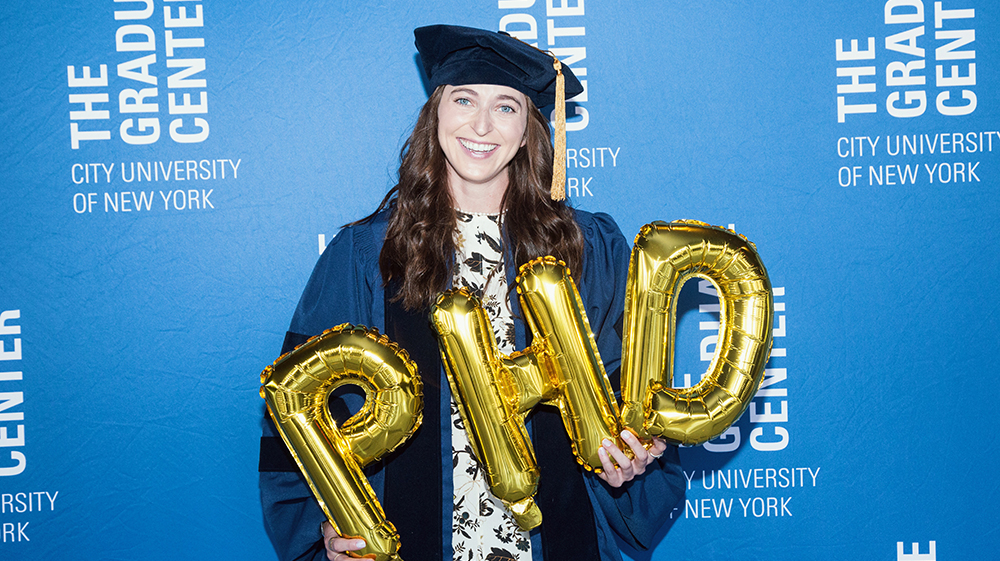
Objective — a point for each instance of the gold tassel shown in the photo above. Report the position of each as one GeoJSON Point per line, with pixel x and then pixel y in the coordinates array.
{"type": "Point", "coordinates": [558, 190]}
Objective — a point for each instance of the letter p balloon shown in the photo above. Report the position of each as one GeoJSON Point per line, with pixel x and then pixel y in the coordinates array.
{"type": "Point", "coordinates": [297, 388]}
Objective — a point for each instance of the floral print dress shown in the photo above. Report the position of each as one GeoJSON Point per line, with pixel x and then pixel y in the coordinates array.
{"type": "Point", "coordinates": [482, 527]}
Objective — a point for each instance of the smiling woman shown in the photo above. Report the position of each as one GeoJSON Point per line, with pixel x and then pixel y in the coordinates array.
{"type": "Point", "coordinates": [473, 204]}
{"type": "Point", "coordinates": [480, 129]}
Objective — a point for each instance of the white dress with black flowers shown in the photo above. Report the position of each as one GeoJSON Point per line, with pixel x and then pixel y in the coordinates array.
{"type": "Point", "coordinates": [482, 527]}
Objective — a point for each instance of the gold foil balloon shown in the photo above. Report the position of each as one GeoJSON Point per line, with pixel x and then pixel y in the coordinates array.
{"type": "Point", "coordinates": [489, 402]}
{"type": "Point", "coordinates": [663, 258]}
{"type": "Point", "coordinates": [562, 332]}
{"type": "Point", "coordinates": [297, 388]}
{"type": "Point", "coordinates": [494, 392]}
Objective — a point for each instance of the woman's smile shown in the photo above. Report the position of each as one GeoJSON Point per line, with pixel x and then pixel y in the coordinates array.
{"type": "Point", "coordinates": [478, 148]}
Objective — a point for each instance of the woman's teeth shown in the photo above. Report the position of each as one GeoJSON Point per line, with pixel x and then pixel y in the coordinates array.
{"type": "Point", "coordinates": [477, 147]}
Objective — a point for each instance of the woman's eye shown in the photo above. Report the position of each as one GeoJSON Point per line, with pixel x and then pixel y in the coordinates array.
{"type": "Point", "coordinates": [507, 109]}
{"type": "Point", "coordinates": [463, 101]}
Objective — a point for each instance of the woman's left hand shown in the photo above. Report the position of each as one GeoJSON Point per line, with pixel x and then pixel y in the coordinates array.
{"type": "Point", "coordinates": [626, 470]}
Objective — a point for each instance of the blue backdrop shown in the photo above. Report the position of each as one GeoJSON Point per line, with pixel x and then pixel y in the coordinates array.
{"type": "Point", "coordinates": [172, 170]}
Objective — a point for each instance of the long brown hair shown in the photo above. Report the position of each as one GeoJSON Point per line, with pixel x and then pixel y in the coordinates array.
{"type": "Point", "coordinates": [419, 245]}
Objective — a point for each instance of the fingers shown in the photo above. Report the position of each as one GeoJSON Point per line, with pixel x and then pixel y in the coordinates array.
{"type": "Point", "coordinates": [611, 474]}
{"type": "Point", "coordinates": [626, 465]}
{"type": "Point", "coordinates": [337, 545]}
{"type": "Point", "coordinates": [618, 468]}
{"type": "Point", "coordinates": [658, 448]}
{"type": "Point", "coordinates": [641, 457]}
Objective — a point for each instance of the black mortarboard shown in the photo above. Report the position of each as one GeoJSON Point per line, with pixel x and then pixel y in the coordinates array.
{"type": "Point", "coordinates": [458, 56]}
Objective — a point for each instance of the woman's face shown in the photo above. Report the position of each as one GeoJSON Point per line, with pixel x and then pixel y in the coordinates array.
{"type": "Point", "coordinates": [480, 129]}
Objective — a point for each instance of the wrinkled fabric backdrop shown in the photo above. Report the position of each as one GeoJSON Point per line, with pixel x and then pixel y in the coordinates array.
{"type": "Point", "coordinates": [172, 171]}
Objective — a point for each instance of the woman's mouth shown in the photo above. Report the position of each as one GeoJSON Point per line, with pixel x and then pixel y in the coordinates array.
{"type": "Point", "coordinates": [478, 148]}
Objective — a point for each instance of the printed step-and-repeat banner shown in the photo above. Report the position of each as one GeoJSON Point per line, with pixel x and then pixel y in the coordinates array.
{"type": "Point", "coordinates": [172, 169]}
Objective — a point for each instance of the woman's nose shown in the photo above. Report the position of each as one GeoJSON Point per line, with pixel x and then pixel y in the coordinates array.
{"type": "Point", "coordinates": [483, 122]}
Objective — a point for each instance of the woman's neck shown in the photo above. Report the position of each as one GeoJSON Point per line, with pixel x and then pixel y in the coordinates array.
{"type": "Point", "coordinates": [475, 197]}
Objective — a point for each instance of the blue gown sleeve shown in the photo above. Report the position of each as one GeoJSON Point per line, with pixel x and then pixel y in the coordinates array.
{"type": "Point", "coordinates": [637, 510]}
{"type": "Point", "coordinates": [344, 287]}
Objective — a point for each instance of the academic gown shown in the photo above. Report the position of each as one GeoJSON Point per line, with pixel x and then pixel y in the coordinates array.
{"type": "Point", "coordinates": [346, 287]}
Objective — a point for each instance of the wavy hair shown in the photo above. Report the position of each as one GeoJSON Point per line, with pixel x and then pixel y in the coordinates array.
{"type": "Point", "coordinates": [418, 252]}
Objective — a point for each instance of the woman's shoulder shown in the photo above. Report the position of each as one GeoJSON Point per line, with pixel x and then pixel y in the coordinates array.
{"type": "Point", "coordinates": [373, 223]}
{"type": "Point", "coordinates": [597, 225]}
{"type": "Point", "coordinates": [365, 236]}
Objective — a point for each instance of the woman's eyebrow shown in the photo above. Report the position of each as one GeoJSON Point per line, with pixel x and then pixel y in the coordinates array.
{"type": "Point", "coordinates": [466, 90]}
{"type": "Point", "coordinates": [511, 98]}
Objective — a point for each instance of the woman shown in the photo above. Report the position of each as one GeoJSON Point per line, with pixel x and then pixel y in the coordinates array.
{"type": "Point", "coordinates": [471, 205]}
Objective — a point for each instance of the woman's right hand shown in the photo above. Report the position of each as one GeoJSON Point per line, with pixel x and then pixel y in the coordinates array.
{"type": "Point", "coordinates": [336, 545]}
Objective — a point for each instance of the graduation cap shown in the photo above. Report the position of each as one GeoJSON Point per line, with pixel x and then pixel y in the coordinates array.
{"type": "Point", "coordinates": [458, 56]}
